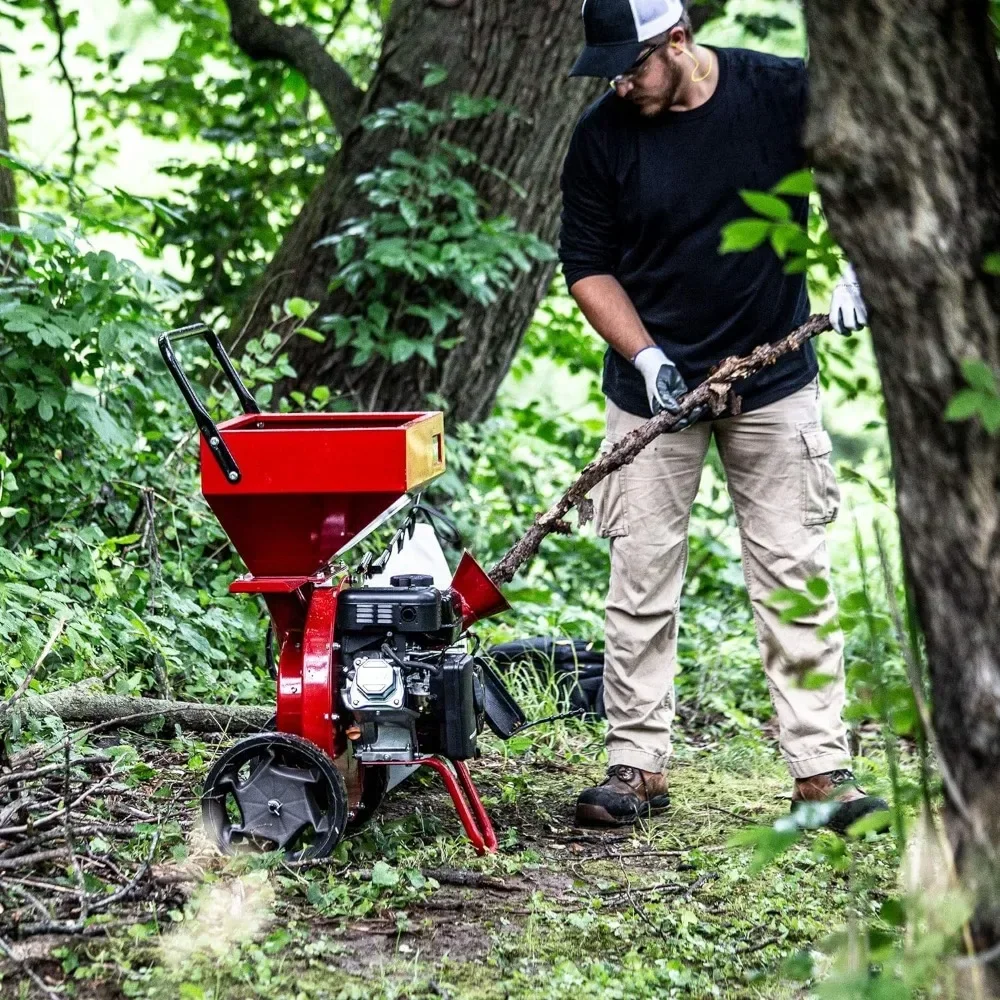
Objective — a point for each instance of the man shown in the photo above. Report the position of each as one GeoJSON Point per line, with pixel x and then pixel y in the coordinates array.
{"type": "Point", "coordinates": [653, 174]}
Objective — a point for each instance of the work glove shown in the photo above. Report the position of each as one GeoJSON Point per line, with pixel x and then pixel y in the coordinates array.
{"type": "Point", "coordinates": [848, 311]}
{"type": "Point", "coordinates": [664, 386]}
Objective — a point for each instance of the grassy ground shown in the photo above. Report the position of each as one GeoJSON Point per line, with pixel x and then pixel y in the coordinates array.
{"type": "Point", "coordinates": [667, 910]}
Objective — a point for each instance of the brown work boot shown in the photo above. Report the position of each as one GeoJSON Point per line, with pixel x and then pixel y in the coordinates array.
{"type": "Point", "coordinates": [626, 794]}
{"type": "Point", "coordinates": [837, 786]}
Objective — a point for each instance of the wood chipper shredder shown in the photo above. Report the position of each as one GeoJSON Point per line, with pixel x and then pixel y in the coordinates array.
{"type": "Point", "coordinates": [367, 677]}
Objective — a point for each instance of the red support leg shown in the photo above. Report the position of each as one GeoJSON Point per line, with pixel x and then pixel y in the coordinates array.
{"type": "Point", "coordinates": [468, 805]}
{"type": "Point", "coordinates": [472, 794]}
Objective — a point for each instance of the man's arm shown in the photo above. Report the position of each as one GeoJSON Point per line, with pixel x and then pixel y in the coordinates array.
{"type": "Point", "coordinates": [611, 313]}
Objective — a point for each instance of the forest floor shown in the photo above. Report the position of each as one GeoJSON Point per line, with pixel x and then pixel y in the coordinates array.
{"type": "Point", "coordinates": [670, 909]}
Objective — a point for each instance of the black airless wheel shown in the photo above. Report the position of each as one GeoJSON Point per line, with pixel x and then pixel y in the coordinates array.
{"type": "Point", "coordinates": [275, 792]}
{"type": "Point", "coordinates": [374, 782]}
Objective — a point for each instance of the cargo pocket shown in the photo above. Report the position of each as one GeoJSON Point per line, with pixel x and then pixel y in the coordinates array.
{"type": "Point", "coordinates": [610, 498]}
{"type": "Point", "coordinates": [820, 493]}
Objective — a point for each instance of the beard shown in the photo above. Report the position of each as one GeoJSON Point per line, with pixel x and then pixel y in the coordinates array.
{"type": "Point", "coordinates": [655, 102]}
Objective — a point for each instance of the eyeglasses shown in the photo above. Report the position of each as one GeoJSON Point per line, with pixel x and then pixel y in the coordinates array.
{"type": "Point", "coordinates": [636, 69]}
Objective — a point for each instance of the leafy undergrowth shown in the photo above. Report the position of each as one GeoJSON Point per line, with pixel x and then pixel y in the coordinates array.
{"type": "Point", "coordinates": [667, 910]}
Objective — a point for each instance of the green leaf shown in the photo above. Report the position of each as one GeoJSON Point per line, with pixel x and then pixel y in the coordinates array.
{"type": "Point", "coordinates": [990, 415]}
{"type": "Point", "coordinates": [991, 263]}
{"type": "Point", "coordinates": [799, 966]}
{"type": "Point", "coordinates": [296, 85]}
{"type": "Point", "coordinates": [819, 587]}
{"type": "Point", "coordinates": [767, 841]}
{"type": "Point", "coordinates": [980, 376]}
{"type": "Point", "coordinates": [788, 236]}
{"type": "Point", "coordinates": [299, 308]}
{"type": "Point", "coordinates": [384, 874]}
{"type": "Point", "coordinates": [964, 405]}
{"type": "Point", "coordinates": [816, 681]}
{"type": "Point", "coordinates": [311, 334]}
{"type": "Point", "coordinates": [874, 822]}
{"type": "Point", "coordinates": [107, 337]}
{"type": "Point", "coordinates": [893, 912]}
{"type": "Point", "coordinates": [402, 350]}
{"type": "Point", "coordinates": [425, 349]}
{"type": "Point", "coordinates": [799, 184]}
{"type": "Point", "coordinates": [409, 212]}
{"type": "Point", "coordinates": [768, 205]}
{"type": "Point", "coordinates": [743, 235]}
{"type": "Point", "coordinates": [436, 74]}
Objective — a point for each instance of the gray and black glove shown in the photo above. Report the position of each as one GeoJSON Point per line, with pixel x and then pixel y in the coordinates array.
{"type": "Point", "coordinates": [848, 311]}
{"type": "Point", "coordinates": [664, 386]}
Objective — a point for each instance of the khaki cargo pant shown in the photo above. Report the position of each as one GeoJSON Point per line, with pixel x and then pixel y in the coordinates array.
{"type": "Point", "coordinates": [782, 484]}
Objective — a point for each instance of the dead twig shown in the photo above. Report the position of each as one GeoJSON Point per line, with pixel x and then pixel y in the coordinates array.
{"type": "Point", "coordinates": [60, 58]}
{"type": "Point", "coordinates": [8, 950]}
{"type": "Point", "coordinates": [29, 860]}
{"type": "Point", "coordinates": [127, 891]}
{"type": "Point", "coordinates": [40, 772]}
{"type": "Point", "coordinates": [68, 830]}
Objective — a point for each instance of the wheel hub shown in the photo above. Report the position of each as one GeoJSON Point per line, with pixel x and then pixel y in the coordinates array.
{"type": "Point", "coordinates": [275, 792]}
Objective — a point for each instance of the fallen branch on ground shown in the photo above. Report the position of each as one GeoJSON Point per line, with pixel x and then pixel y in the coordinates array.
{"type": "Point", "coordinates": [83, 704]}
{"type": "Point", "coordinates": [716, 392]}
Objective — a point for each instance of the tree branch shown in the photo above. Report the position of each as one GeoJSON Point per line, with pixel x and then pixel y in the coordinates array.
{"type": "Point", "coordinates": [60, 58]}
{"type": "Point", "coordinates": [714, 391]}
{"type": "Point", "coordinates": [86, 703]}
{"type": "Point", "coordinates": [259, 37]}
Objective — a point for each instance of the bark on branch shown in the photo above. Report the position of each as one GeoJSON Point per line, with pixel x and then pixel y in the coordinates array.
{"type": "Point", "coordinates": [296, 46]}
{"type": "Point", "coordinates": [716, 391]}
{"type": "Point", "coordinates": [81, 704]}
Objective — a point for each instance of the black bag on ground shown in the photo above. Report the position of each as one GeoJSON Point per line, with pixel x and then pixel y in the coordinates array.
{"type": "Point", "coordinates": [575, 665]}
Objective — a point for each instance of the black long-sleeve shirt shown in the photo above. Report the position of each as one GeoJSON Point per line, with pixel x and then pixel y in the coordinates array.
{"type": "Point", "coordinates": [646, 199]}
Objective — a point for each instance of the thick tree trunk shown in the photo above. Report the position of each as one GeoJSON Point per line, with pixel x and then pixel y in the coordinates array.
{"type": "Point", "coordinates": [8, 190]}
{"type": "Point", "coordinates": [905, 135]}
{"type": "Point", "coordinates": [519, 52]}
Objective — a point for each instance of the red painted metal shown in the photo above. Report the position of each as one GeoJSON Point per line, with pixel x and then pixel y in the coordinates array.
{"type": "Point", "coordinates": [479, 597]}
{"type": "Point", "coordinates": [310, 482]}
{"type": "Point", "coordinates": [472, 794]}
{"type": "Point", "coordinates": [272, 584]}
{"type": "Point", "coordinates": [320, 719]}
{"type": "Point", "coordinates": [464, 795]}
{"type": "Point", "coordinates": [289, 718]}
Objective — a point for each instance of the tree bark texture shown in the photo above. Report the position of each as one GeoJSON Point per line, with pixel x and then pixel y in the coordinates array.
{"type": "Point", "coordinates": [905, 136]}
{"type": "Point", "coordinates": [8, 190]}
{"type": "Point", "coordinates": [87, 704]}
{"type": "Point", "coordinates": [518, 52]}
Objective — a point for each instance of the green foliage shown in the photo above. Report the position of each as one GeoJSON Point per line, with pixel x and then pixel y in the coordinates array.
{"type": "Point", "coordinates": [261, 139]}
{"type": "Point", "coordinates": [426, 248]}
{"type": "Point", "coordinates": [801, 247]}
{"type": "Point", "coordinates": [981, 399]}
{"type": "Point", "coordinates": [102, 544]}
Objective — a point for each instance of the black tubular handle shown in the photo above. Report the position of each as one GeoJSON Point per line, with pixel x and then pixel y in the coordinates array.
{"type": "Point", "coordinates": [209, 431]}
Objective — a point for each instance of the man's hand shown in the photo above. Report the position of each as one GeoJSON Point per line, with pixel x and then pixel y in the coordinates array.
{"type": "Point", "coordinates": [848, 311]}
{"type": "Point", "coordinates": [664, 386]}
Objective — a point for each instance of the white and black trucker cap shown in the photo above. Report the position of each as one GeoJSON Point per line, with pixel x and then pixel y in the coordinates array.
{"type": "Point", "coordinates": [617, 32]}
